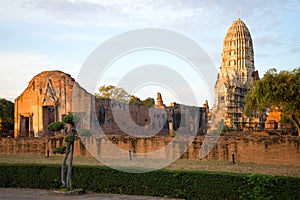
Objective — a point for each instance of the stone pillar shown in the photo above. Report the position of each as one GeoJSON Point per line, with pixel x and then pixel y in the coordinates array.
{"type": "Point", "coordinates": [171, 130]}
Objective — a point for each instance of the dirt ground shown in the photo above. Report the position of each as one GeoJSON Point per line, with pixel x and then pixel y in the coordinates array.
{"type": "Point", "coordinates": [181, 164]}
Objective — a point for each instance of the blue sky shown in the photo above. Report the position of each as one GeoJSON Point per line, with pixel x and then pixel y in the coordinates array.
{"type": "Point", "coordinates": [38, 35]}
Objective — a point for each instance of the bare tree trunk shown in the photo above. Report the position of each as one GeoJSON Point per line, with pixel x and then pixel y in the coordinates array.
{"type": "Point", "coordinates": [69, 175]}
{"type": "Point", "coordinates": [63, 167]}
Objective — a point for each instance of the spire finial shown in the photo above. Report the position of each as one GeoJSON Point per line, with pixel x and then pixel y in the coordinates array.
{"type": "Point", "coordinates": [238, 14]}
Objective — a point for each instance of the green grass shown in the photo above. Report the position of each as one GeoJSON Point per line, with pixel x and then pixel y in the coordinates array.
{"type": "Point", "coordinates": [181, 164]}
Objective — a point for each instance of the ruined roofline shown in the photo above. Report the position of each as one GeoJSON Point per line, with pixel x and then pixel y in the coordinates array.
{"type": "Point", "coordinates": [52, 71]}
{"type": "Point", "coordinates": [48, 71]}
{"type": "Point", "coordinates": [76, 84]}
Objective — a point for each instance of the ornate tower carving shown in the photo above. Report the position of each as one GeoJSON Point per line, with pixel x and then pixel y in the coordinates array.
{"type": "Point", "coordinates": [236, 73]}
{"type": "Point", "coordinates": [237, 55]}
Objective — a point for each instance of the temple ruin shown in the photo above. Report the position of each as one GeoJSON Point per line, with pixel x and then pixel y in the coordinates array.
{"type": "Point", "coordinates": [236, 73]}
{"type": "Point", "coordinates": [52, 94]}
{"type": "Point", "coordinates": [47, 98]}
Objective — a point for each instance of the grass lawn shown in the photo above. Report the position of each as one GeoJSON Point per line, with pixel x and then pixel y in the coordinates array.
{"type": "Point", "coordinates": [181, 164]}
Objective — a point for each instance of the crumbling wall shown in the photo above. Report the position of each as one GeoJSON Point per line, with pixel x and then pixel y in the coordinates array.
{"type": "Point", "coordinates": [283, 150]}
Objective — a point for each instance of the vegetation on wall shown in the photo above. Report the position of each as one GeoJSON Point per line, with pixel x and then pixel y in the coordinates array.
{"type": "Point", "coordinates": [277, 90]}
{"type": "Point", "coordinates": [178, 184]}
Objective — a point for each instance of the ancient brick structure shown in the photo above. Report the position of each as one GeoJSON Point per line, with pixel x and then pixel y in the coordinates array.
{"type": "Point", "coordinates": [236, 73]}
{"type": "Point", "coordinates": [52, 94]}
{"type": "Point", "coordinates": [46, 99]}
{"type": "Point", "coordinates": [164, 119]}
{"type": "Point", "coordinates": [275, 123]}
{"type": "Point", "coordinates": [284, 150]}
{"type": "Point", "coordinates": [159, 101]}
{"type": "Point", "coordinates": [273, 120]}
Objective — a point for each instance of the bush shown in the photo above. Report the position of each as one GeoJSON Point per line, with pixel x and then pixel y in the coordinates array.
{"type": "Point", "coordinates": [56, 126]}
{"type": "Point", "coordinates": [71, 119]}
{"type": "Point", "coordinates": [174, 184]}
{"type": "Point", "coordinates": [68, 119]}
{"type": "Point", "coordinates": [60, 150]}
{"type": "Point", "coordinates": [261, 187]}
{"type": "Point", "coordinates": [84, 132]}
{"type": "Point", "coordinates": [70, 138]}
{"type": "Point", "coordinates": [30, 176]}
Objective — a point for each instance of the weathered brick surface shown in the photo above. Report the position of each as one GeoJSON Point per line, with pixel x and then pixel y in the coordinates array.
{"type": "Point", "coordinates": [52, 94]}
{"type": "Point", "coordinates": [49, 89]}
{"type": "Point", "coordinates": [283, 150]}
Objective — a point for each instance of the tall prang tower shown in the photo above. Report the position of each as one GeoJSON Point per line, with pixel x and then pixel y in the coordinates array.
{"type": "Point", "coordinates": [237, 71]}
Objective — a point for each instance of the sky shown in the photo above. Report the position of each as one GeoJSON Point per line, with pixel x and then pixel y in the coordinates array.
{"type": "Point", "coordinates": [39, 35]}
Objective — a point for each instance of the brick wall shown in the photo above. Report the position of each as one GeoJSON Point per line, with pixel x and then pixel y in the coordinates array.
{"type": "Point", "coordinates": [283, 150]}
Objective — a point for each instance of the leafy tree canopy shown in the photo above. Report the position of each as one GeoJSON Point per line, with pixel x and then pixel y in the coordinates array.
{"type": "Point", "coordinates": [113, 92]}
{"type": "Point", "coordinates": [56, 126]}
{"type": "Point", "coordinates": [280, 90]}
{"type": "Point", "coordinates": [149, 102]}
{"type": "Point", "coordinates": [7, 113]}
{"type": "Point", "coordinates": [71, 118]}
{"type": "Point", "coordinates": [121, 95]}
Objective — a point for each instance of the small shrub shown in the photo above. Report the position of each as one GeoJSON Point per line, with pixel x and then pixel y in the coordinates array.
{"type": "Point", "coordinates": [56, 126]}
{"type": "Point", "coordinates": [60, 150]}
{"type": "Point", "coordinates": [71, 119]}
{"type": "Point", "coordinates": [84, 132]}
{"type": "Point", "coordinates": [70, 138]}
{"type": "Point", "coordinates": [227, 129]}
{"type": "Point", "coordinates": [68, 119]}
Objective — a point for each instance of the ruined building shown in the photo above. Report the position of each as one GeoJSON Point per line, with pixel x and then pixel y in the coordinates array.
{"type": "Point", "coordinates": [113, 118]}
{"type": "Point", "coordinates": [47, 98]}
{"type": "Point", "coordinates": [236, 73]}
{"type": "Point", "coordinates": [52, 94]}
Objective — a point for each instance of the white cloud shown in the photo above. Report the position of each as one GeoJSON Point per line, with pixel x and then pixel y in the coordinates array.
{"type": "Point", "coordinates": [192, 15]}
{"type": "Point", "coordinates": [17, 69]}
{"type": "Point", "coordinates": [204, 21]}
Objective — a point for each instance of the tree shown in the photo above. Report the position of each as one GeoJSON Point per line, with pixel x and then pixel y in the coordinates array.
{"type": "Point", "coordinates": [149, 102]}
{"type": "Point", "coordinates": [277, 90]}
{"type": "Point", "coordinates": [56, 126]}
{"type": "Point", "coordinates": [7, 114]}
{"type": "Point", "coordinates": [69, 121]}
{"type": "Point", "coordinates": [135, 101]}
{"type": "Point", "coordinates": [121, 95]}
{"type": "Point", "coordinates": [113, 92]}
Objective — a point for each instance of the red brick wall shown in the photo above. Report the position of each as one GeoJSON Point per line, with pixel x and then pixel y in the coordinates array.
{"type": "Point", "coordinates": [283, 150]}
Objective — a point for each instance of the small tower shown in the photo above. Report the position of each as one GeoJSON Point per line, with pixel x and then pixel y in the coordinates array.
{"type": "Point", "coordinates": [159, 101]}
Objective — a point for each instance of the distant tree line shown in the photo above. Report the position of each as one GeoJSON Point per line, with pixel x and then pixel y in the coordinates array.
{"type": "Point", "coordinates": [121, 95]}
{"type": "Point", "coordinates": [6, 115]}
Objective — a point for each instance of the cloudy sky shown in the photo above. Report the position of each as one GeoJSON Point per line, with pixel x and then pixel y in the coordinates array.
{"type": "Point", "coordinates": [37, 35]}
